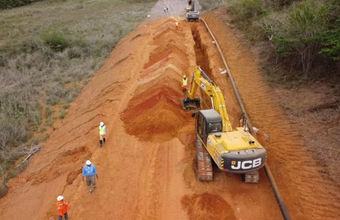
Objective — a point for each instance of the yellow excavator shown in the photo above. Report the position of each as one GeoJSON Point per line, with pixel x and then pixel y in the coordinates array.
{"type": "Point", "coordinates": [234, 151]}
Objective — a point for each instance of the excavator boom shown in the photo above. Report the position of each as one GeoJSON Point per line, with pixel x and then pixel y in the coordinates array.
{"type": "Point", "coordinates": [213, 91]}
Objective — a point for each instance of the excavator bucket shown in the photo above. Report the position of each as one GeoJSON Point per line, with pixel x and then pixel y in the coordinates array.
{"type": "Point", "coordinates": [191, 104]}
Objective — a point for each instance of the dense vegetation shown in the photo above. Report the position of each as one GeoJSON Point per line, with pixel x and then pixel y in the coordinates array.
{"type": "Point", "coordinates": [48, 52]}
{"type": "Point", "coordinates": [304, 34]}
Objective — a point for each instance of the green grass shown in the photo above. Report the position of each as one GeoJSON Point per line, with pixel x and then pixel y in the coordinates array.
{"type": "Point", "coordinates": [47, 45]}
{"type": "Point", "coordinates": [298, 36]}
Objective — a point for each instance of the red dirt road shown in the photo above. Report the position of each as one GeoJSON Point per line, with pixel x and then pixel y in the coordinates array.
{"type": "Point", "coordinates": [147, 167]}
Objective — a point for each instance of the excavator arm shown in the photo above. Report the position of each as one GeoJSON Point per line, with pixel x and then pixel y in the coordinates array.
{"type": "Point", "coordinates": [200, 79]}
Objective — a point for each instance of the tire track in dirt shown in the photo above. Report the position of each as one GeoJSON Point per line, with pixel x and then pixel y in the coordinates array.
{"type": "Point", "coordinates": [306, 194]}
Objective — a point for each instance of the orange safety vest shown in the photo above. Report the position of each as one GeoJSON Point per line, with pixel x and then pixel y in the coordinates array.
{"type": "Point", "coordinates": [62, 207]}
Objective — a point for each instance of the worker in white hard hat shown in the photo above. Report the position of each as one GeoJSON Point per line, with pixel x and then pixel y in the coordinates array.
{"type": "Point", "coordinates": [90, 171]}
{"type": "Point", "coordinates": [102, 133]}
{"type": "Point", "coordinates": [184, 84]}
{"type": "Point", "coordinates": [62, 207]}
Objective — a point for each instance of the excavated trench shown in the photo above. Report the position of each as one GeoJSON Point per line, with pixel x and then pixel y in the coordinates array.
{"type": "Point", "coordinates": [202, 60]}
{"type": "Point", "coordinates": [202, 57]}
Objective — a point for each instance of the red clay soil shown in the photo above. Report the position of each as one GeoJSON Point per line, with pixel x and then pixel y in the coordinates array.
{"type": "Point", "coordinates": [147, 167]}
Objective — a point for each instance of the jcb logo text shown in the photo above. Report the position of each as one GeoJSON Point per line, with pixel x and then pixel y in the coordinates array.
{"type": "Point", "coordinates": [247, 164]}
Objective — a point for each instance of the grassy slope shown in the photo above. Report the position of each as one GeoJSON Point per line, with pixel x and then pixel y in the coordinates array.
{"type": "Point", "coordinates": [48, 52]}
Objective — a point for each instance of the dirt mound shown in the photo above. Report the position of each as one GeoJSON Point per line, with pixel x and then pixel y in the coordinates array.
{"type": "Point", "coordinates": [169, 33]}
{"type": "Point", "coordinates": [168, 78]}
{"type": "Point", "coordinates": [154, 113]}
{"type": "Point", "coordinates": [168, 48]}
{"type": "Point", "coordinates": [169, 69]}
{"type": "Point", "coordinates": [168, 27]}
{"type": "Point", "coordinates": [207, 206]}
{"type": "Point", "coordinates": [169, 56]}
{"type": "Point", "coordinates": [157, 116]}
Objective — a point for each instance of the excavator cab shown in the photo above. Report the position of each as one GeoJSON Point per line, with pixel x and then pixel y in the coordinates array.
{"type": "Point", "coordinates": [208, 122]}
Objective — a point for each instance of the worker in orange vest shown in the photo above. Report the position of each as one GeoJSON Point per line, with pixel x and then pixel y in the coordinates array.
{"type": "Point", "coordinates": [62, 207]}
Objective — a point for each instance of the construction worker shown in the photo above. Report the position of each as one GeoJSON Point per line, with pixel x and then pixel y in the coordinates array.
{"type": "Point", "coordinates": [184, 84]}
{"type": "Point", "coordinates": [102, 133]}
{"type": "Point", "coordinates": [176, 24]}
{"type": "Point", "coordinates": [62, 207]}
{"type": "Point", "coordinates": [89, 171]}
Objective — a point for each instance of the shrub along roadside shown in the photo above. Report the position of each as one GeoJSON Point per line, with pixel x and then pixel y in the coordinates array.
{"type": "Point", "coordinates": [331, 41]}
{"type": "Point", "coordinates": [303, 33]}
{"type": "Point", "coordinates": [302, 43]}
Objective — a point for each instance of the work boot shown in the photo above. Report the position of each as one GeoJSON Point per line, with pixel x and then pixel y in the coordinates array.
{"type": "Point", "coordinates": [104, 140]}
{"type": "Point", "coordinates": [90, 192]}
{"type": "Point", "coordinates": [100, 143]}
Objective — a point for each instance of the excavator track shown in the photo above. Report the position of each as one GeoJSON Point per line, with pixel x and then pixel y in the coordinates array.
{"type": "Point", "coordinates": [251, 177]}
{"type": "Point", "coordinates": [204, 167]}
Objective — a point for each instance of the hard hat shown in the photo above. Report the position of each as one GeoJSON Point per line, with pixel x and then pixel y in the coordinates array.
{"type": "Point", "coordinates": [102, 124]}
{"type": "Point", "coordinates": [88, 162]}
{"type": "Point", "coordinates": [59, 198]}
{"type": "Point", "coordinates": [184, 76]}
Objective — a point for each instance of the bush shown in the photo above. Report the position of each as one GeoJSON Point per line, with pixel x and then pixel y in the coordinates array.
{"type": "Point", "coordinates": [331, 41]}
{"type": "Point", "coordinates": [302, 44]}
{"type": "Point", "coordinates": [48, 112]}
{"type": "Point", "coordinates": [31, 45]}
{"type": "Point", "coordinates": [66, 106]}
{"type": "Point", "coordinates": [74, 52]}
{"type": "Point", "coordinates": [42, 129]}
{"type": "Point", "coordinates": [3, 189]}
{"type": "Point", "coordinates": [5, 4]}
{"type": "Point", "coordinates": [49, 121]}
{"type": "Point", "coordinates": [62, 114]}
{"type": "Point", "coordinates": [246, 10]}
{"type": "Point", "coordinates": [279, 4]}
{"type": "Point", "coordinates": [56, 40]}
{"type": "Point", "coordinates": [12, 132]}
